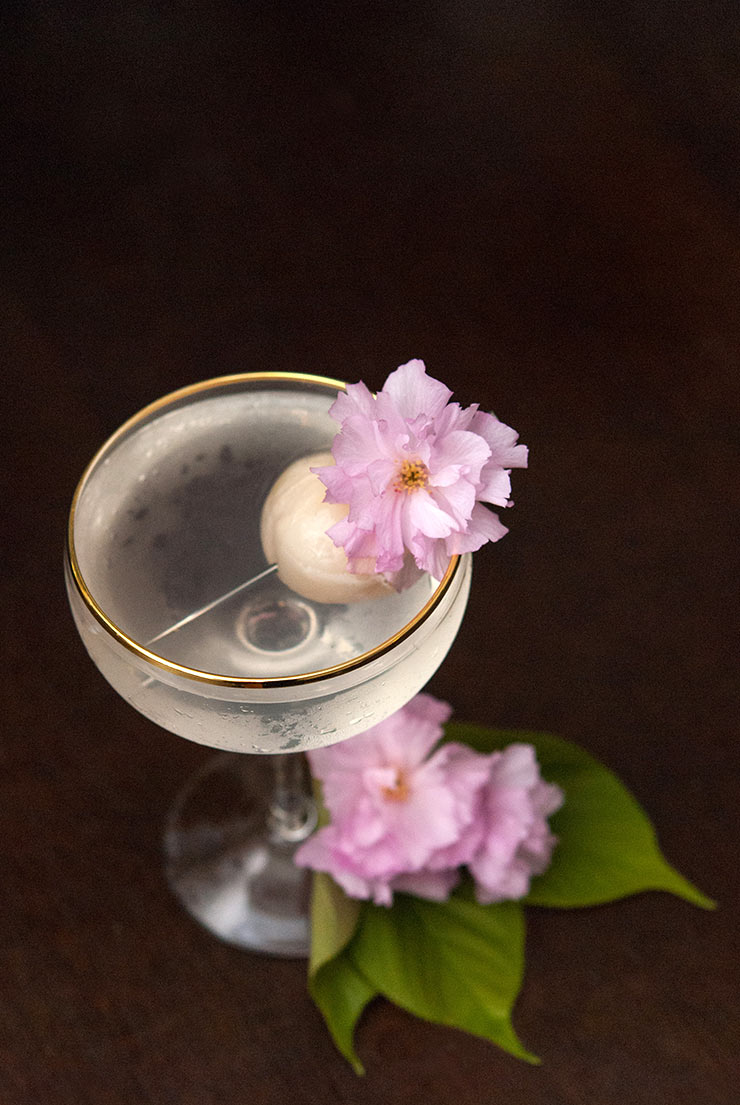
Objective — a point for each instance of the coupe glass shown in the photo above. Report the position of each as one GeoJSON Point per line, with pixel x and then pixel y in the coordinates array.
{"type": "Point", "coordinates": [177, 607]}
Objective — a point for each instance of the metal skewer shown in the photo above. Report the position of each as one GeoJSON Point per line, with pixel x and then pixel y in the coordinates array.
{"type": "Point", "coordinates": [210, 605]}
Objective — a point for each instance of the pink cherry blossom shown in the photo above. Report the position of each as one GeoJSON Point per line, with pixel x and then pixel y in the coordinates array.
{"type": "Point", "coordinates": [408, 816]}
{"type": "Point", "coordinates": [516, 840]}
{"type": "Point", "coordinates": [415, 471]}
{"type": "Point", "coordinates": [395, 803]}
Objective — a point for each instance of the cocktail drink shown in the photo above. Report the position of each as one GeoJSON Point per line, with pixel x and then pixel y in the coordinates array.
{"type": "Point", "coordinates": [179, 609]}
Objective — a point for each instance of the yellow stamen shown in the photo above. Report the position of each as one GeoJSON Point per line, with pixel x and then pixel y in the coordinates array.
{"type": "Point", "coordinates": [412, 476]}
{"type": "Point", "coordinates": [400, 790]}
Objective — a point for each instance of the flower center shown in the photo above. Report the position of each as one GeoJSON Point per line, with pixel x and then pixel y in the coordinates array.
{"type": "Point", "coordinates": [412, 476]}
{"type": "Point", "coordinates": [400, 790]}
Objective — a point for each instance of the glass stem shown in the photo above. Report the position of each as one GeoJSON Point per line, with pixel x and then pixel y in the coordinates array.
{"type": "Point", "coordinates": [292, 810]}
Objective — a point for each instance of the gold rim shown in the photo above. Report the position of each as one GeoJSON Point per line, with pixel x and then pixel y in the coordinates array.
{"type": "Point", "coordinates": [194, 673]}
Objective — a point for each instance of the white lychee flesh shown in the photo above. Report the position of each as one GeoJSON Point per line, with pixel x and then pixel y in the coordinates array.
{"type": "Point", "coordinates": [293, 528]}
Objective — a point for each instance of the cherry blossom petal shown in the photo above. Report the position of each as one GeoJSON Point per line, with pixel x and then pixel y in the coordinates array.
{"type": "Point", "coordinates": [414, 393]}
{"type": "Point", "coordinates": [495, 487]}
{"type": "Point", "coordinates": [502, 440]}
{"type": "Point", "coordinates": [435, 886]}
{"type": "Point", "coordinates": [389, 534]}
{"type": "Point", "coordinates": [423, 515]}
{"type": "Point", "coordinates": [459, 453]}
{"type": "Point", "coordinates": [355, 399]}
{"type": "Point", "coordinates": [437, 557]}
{"type": "Point", "coordinates": [484, 526]}
{"type": "Point", "coordinates": [426, 708]}
{"type": "Point", "coordinates": [458, 501]}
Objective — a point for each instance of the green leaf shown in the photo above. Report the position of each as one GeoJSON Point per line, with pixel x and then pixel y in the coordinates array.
{"type": "Point", "coordinates": [454, 963]}
{"type": "Point", "coordinates": [339, 990]}
{"type": "Point", "coordinates": [341, 993]}
{"type": "Point", "coordinates": [334, 919]}
{"type": "Point", "coordinates": [607, 847]}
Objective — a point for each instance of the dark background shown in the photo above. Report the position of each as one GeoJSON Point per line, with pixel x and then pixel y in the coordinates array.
{"type": "Point", "coordinates": [540, 199]}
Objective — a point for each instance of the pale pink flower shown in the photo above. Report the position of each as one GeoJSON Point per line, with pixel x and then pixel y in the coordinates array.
{"type": "Point", "coordinates": [508, 840]}
{"type": "Point", "coordinates": [395, 804]}
{"type": "Point", "coordinates": [415, 471]}
{"type": "Point", "coordinates": [408, 818]}
{"type": "Point", "coordinates": [516, 841]}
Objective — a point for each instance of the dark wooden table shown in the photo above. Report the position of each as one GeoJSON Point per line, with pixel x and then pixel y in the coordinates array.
{"type": "Point", "coordinates": [541, 200]}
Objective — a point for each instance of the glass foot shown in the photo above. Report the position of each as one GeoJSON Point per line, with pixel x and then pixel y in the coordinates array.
{"type": "Point", "coordinates": [229, 844]}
